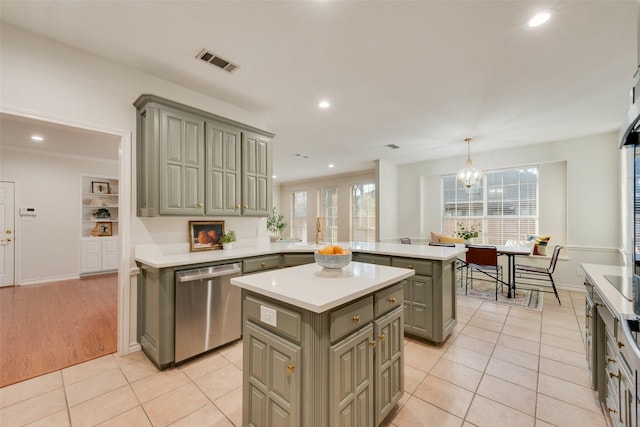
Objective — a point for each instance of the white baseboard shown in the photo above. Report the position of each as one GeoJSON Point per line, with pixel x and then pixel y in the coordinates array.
{"type": "Point", "coordinates": [48, 279]}
{"type": "Point", "coordinates": [133, 347]}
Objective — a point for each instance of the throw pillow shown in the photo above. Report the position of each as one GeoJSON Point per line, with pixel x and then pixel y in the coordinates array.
{"type": "Point", "coordinates": [446, 239]}
{"type": "Point", "coordinates": [541, 242]}
{"type": "Point", "coordinates": [435, 237]}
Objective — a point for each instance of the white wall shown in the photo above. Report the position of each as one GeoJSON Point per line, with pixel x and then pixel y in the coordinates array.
{"type": "Point", "coordinates": [342, 182]}
{"type": "Point", "coordinates": [387, 186]}
{"type": "Point", "coordinates": [592, 196]}
{"type": "Point", "coordinates": [48, 246]}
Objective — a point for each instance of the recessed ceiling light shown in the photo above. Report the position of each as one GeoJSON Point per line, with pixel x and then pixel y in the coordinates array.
{"type": "Point", "coordinates": [332, 165]}
{"type": "Point", "coordinates": [324, 104]}
{"type": "Point", "coordinates": [37, 138]}
{"type": "Point", "coordinates": [539, 19]}
{"type": "Point", "coordinates": [274, 176]}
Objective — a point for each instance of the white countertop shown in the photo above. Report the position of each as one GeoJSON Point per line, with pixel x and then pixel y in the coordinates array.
{"type": "Point", "coordinates": [613, 298]}
{"type": "Point", "coordinates": [178, 255]}
{"type": "Point", "coordinates": [313, 288]}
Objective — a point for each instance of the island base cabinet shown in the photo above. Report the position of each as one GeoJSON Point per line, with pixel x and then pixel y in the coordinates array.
{"type": "Point", "coordinates": [273, 368]}
{"type": "Point", "coordinates": [351, 372]}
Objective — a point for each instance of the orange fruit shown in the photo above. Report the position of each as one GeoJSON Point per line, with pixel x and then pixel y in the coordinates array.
{"type": "Point", "coordinates": [337, 250]}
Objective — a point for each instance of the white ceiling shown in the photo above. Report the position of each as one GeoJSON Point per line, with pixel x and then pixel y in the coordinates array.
{"type": "Point", "coordinates": [423, 75]}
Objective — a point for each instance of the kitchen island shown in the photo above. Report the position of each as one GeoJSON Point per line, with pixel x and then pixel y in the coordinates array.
{"type": "Point", "coordinates": [429, 295]}
{"type": "Point", "coordinates": [331, 339]}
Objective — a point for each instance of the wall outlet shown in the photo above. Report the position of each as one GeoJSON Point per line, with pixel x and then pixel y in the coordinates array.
{"type": "Point", "coordinates": [268, 316]}
{"type": "Point", "coordinates": [579, 271]}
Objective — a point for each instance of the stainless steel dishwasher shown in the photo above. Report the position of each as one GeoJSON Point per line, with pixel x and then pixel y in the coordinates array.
{"type": "Point", "coordinates": [208, 309]}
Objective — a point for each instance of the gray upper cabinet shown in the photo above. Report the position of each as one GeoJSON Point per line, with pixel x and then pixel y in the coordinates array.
{"type": "Point", "coordinates": [192, 163]}
{"type": "Point", "coordinates": [223, 169]}
{"type": "Point", "coordinates": [181, 163]}
{"type": "Point", "coordinates": [256, 174]}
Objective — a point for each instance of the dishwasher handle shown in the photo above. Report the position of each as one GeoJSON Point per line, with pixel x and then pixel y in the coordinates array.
{"type": "Point", "coordinates": [207, 273]}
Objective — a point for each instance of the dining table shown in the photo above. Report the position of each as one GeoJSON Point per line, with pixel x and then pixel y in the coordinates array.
{"type": "Point", "coordinates": [511, 252]}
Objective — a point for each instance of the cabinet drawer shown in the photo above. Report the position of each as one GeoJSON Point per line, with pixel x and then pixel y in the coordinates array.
{"type": "Point", "coordinates": [287, 322]}
{"type": "Point", "coordinates": [260, 263]}
{"type": "Point", "coordinates": [372, 259]}
{"type": "Point", "coordinates": [347, 319]}
{"type": "Point", "coordinates": [388, 299]}
{"type": "Point", "coordinates": [291, 260]}
{"type": "Point", "coordinates": [421, 267]}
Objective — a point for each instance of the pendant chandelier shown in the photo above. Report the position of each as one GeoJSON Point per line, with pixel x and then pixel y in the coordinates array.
{"type": "Point", "coordinates": [469, 175]}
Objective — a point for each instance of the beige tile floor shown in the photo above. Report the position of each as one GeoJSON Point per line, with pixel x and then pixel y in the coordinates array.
{"type": "Point", "coordinates": [502, 367]}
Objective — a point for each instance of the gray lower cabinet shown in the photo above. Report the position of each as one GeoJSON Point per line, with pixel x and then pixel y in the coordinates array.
{"type": "Point", "coordinates": [274, 378]}
{"type": "Point", "coordinates": [190, 162]}
{"type": "Point", "coordinates": [345, 365]}
{"type": "Point", "coordinates": [429, 298]}
{"type": "Point", "coordinates": [351, 373]}
{"type": "Point", "coordinates": [613, 376]}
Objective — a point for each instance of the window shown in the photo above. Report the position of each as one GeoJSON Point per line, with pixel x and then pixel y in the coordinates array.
{"type": "Point", "coordinates": [299, 215]}
{"type": "Point", "coordinates": [328, 213]}
{"type": "Point", "coordinates": [363, 213]}
{"type": "Point", "coordinates": [504, 206]}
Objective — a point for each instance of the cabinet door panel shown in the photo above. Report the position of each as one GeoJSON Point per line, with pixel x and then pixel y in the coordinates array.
{"type": "Point", "coordinates": [351, 370]}
{"type": "Point", "coordinates": [222, 169]}
{"type": "Point", "coordinates": [422, 289]}
{"type": "Point", "coordinates": [389, 333]}
{"type": "Point", "coordinates": [256, 174]}
{"type": "Point", "coordinates": [182, 164]}
{"type": "Point", "coordinates": [273, 368]}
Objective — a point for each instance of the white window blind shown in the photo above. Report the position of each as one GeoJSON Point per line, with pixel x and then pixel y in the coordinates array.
{"type": "Point", "coordinates": [328, 213]}
{"type": "Point", "coordinates": [363, 213]}
{"type": "Point", "coordinates": [299, 215]}
{"type": "Point", "coordinates": [504, 206]}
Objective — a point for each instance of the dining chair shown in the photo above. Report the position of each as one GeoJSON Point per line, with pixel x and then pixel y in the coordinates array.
{"type": "Point", "coordinates": [531, 274]}
{"type": "Point", "coordinates": [483, 259]}
{"type": "Point", "coordinates": [405, 240]}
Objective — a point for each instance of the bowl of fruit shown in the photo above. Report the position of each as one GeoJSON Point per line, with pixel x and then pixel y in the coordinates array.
{"type": "Point", "coordinates": [333, 257]}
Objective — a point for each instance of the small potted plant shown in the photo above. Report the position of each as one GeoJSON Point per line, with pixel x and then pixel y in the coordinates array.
{"type": "Point", "coordinates": [227, 239]}
{"type": "Point", "coordinates": [467, 233]}
{"type": "Point", "coordinates": [275, 225]}
{"type": "Point", "coordinates": [102, 213]}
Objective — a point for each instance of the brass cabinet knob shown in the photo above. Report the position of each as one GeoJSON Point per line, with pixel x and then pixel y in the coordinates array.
{"type": "Point", "coordinates": [356, 318]}
{"type": "Point", "coordinates": [410, 266]}
{"type": "Point", "coordinates": [290, 368]}
{"type": "Point", "coordinates": [611, 410]}
{"type": "Point", "coordinates": [372, 343]}
{"type": "Point", "coordinates": [200, 205]}
{"type": "Point", "coordinates": [7, 240]}
{"type": "Point", "coordinates": [246, 206]}
{"type": "Point", "coordinates": [8, 231]}
{"type": "Point", "coordinates": [612, 375]}
{"type": "Point", "coordinates": [263, 264]}
{"type": "Point", "coordinates": [373, 262]}
{"type": "Point", "coordinates": [589, 316]}
{"type": "Point", "coordinates": [381, 337]}
{"type": "Point", "coordinates": [392, 300]}
{"type": "Point", "coordinates": [237, 206]}
{"type": "Point", "coordinates": [620, 344]}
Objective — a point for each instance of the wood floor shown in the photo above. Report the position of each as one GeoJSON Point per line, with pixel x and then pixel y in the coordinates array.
{"type": "Point", "coordinates": [48, 327]}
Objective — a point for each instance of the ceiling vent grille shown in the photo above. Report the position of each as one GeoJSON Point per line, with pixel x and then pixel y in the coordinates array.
{"type": "Point", "coordinates": [213, 59]}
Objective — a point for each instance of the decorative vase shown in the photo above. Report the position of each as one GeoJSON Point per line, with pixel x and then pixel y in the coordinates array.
{"type": "Point", "coordinates": [227, 245]}
{"type": "Point", "coordinates": [274, 236]}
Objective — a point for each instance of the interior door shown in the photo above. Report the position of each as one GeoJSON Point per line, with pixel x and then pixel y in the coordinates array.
{"type": "Point", "coordinates": [7, 233]}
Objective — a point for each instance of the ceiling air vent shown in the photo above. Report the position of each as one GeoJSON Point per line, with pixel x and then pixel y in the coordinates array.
{"type": "Point", "coordinates": [216, 60]}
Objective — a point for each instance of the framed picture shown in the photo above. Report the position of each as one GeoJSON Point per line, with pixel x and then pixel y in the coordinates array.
{"type": "Point", "coordinates": [205, 235]}
{"type": "Point", "coordinates": [100, 187]}
{"type": "Point", "coordinates": [105, 228]}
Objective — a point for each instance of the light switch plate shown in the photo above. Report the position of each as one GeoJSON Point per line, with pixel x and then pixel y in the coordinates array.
{"type": "Point", "coordinates": [268, 316]}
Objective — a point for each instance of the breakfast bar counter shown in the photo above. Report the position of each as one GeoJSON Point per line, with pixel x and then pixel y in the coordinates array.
{"type": "Point", "coordinates": [322, 347]}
